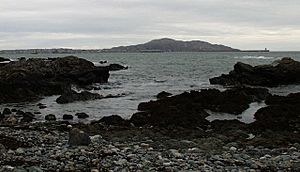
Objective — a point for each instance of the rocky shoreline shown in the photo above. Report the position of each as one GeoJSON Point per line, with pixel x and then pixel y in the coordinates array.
{"type": "Point", "coordinates": [168, 134]}
{"type": "Point", "coordinates": [44, 147]}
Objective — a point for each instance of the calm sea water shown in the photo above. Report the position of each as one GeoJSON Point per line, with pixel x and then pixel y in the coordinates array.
{"type": "Point", "coordinates": [151, 73]}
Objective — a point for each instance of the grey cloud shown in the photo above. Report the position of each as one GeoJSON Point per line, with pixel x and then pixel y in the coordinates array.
{"type": "Point", "coordinates": [95, 23]}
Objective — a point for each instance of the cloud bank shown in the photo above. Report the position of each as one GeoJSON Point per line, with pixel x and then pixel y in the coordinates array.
{"type": "Point", "coordinates": [241, 24]}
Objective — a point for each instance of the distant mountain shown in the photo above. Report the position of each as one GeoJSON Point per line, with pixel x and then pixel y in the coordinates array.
{"type": "Point", "coordinates": [171, 45]}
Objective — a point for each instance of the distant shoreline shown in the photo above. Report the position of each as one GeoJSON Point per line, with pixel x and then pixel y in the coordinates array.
{"type": "Point", "coordinates": [49, 51]}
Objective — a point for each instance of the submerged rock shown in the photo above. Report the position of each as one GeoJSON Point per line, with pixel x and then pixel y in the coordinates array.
{"type": "Point", "coordinates": [78, 138]}
{"type": "Point", "coordinates": [67, 117]}
{"type": "Point", "coordinates": [50, 117]}
{"type": "Point", "coordinates": [72, 96]}
{"type": "Point", "coordinates": [114, 67]}
{"type": "Point", "coordinates": [82, 115]}
{"type": "Point", "coordinates": [281, 72]}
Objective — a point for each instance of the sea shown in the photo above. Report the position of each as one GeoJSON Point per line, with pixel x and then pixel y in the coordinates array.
{"type": "Point", "coordinates": [150, 73]}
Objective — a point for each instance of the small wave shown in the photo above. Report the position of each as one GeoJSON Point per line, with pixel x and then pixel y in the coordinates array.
{"type": "Point", "coordinates": [160, 81]}
{"type": "Point", "coordinates": [254, 57]}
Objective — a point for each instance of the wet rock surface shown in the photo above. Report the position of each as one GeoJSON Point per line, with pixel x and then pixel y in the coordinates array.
{"type": "Point", "coordinates": [163, 94]}
{"type": "Point", "coordinates": [28, 80]}
{"type": "Point", "coordinates": [281, 72]}
{"type": "Point", "coordinates": [188, 109]}
{"type": "Point", "coordinates": [73, 96]}
{"type": "Point", "coordinates": [281, 114]}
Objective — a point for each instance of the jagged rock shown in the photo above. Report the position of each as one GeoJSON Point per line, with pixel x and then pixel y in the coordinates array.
{"type": "Point", "coordinates": [67, 117]}
{"type": "Point", "coordinates": [163, 94]}
{"type": "Point", "coordinates": [50, 117]}
{"type": "Point", "coordinates": [28, 80]}
{"type": "Point", "coordinates": [282, 113]}
{"type": "Point", "coordinates": [78, 138]}
{"type": "Point", "coordinates": [188, 109]}
{"type": "Point", "coordinates": [72, 96]}
{"type": "Point", "coordinates": [82, 115]}
{"type": "Point", "coordinates": [281, 72]}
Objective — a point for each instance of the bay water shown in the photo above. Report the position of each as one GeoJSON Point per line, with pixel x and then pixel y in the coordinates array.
{"type": "Point", "coordinates": [150, 73]}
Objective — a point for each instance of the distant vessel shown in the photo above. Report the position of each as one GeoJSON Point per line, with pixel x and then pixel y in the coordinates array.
{"type": "Point", "coordinates": [265, 50]}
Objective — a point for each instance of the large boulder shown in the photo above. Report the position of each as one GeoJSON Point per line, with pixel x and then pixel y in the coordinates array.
{"type": "Point", "coordinates": [281, 72]}
{"type": "Point", "coordinates": [28, 80]}
{"type": "Point", "coordinates": [78, 138]}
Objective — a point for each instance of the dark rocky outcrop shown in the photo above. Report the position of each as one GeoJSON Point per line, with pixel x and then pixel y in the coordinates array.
{"type": "Point", "coordinates": [163, 94]}
{"type": "Point", "coordinates": [78, 138]}
{"type": "Point", "coordinates": [283, 113]}
{"type": "Point", "coordinates": [281, 72]}
{"type": "Point", "coordinates": [188, 109]}
{"type": "Point", "coordinates": [3, 59]}
{"type": "Point", "coordinates": [28, 80]}
{"type": "Point", "coordinates": [72, 96]}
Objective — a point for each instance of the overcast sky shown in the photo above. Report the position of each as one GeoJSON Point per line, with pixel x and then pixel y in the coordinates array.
{"type": "Point", "coordinates": [242, 24]}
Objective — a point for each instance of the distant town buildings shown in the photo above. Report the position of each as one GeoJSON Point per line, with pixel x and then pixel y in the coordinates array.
{"type": "Point", "coordinates": [49, 51]}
